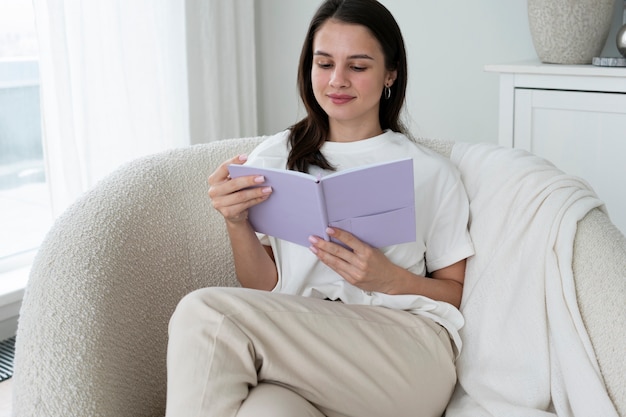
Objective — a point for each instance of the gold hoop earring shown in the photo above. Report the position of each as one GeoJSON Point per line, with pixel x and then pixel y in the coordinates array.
{"type": "Point", "coordinates": [387, 93]}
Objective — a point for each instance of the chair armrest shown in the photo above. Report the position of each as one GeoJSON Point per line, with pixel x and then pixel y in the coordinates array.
{"type": "Point", "coordinates": [600, 274]}
{"type": "Point", "coordinates": [92, 333]}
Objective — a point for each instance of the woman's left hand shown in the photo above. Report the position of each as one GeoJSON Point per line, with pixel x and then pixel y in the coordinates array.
{"type": "Point", "coordinates": [364, 266]}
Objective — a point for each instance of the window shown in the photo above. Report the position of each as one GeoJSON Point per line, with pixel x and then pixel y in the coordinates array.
{"type": "Point", "coordinates": [25, 212]}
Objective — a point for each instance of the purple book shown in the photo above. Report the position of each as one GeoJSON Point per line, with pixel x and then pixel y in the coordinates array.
{"type": "Point", "coordinates": [375, 202]}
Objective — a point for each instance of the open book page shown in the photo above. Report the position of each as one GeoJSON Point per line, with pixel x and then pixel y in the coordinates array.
{"type": "Point", "coordinates": [375, 202]}
{"type": "Point", "coordinates": [294, 211]}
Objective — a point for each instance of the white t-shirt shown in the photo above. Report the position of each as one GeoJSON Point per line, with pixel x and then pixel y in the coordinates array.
{"type": "Point", "coordinates": [442, 211]}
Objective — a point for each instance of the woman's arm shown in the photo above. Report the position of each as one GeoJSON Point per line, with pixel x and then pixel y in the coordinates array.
{"type": "Point", "coordinates": [445, 284]}
{"type": "Point", "coordinates": [254, 263]}
{"type": "Point", "coordinates": [369, 269]}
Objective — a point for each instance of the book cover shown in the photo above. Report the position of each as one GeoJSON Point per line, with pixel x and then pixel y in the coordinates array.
{"type": "Point", "coordinates": [375, 202]}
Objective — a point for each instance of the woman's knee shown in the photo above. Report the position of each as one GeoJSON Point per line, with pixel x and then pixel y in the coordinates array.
{"type": "Point", "coordinates": [201, 303]}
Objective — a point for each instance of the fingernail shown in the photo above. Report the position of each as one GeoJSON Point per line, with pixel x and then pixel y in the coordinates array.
{"type": "Point", "coordinates": [267, 190]}
{"type": "Point", "coordinates": [313, 239]}
{"type": "Point", "coordinates": [313, 249]}
{"type": "Point", "coordinates": [243, 157]}
{"type": "Point", "coordinates": [330, 230]}
{"type": "Point", "coordinates": [259, 179]}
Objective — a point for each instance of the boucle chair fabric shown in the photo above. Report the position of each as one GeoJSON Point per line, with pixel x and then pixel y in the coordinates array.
{"type": "Point", "coordinates": [93, 326]}
{"type": "Point", "coordinates": [92, 333]}
{"type": "Point", "coordinates": [600, 273]}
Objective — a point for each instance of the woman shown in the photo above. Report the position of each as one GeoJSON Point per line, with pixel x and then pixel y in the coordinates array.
{"type": "Point", "coordinates": [325, 330]}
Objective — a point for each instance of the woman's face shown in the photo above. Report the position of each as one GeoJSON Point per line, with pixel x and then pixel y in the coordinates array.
{"type": "Point", "coordinates": [348, 77]}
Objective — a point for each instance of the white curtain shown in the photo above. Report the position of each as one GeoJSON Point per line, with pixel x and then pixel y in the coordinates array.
{"type": "Point", "coordinates": [121, 79]}
{"type": "Point", "coordinates": [113, 86]}
{"type": "Point", "coordinates": [222, 69]}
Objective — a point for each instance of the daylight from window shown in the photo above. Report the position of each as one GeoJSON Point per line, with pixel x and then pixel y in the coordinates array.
{"type": "Point", "coordinates": [25, 213]}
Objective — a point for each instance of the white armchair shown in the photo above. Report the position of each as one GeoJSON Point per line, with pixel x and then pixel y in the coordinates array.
{"type": "Point", "coordinates": [93, 328]}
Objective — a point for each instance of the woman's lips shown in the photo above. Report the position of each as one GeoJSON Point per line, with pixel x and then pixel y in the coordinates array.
{"type": "Point", "coordinates": [340, 98]}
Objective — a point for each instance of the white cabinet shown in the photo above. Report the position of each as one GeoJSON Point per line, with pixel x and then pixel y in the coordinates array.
{"type": "Point", "coordinates": [574, 116]}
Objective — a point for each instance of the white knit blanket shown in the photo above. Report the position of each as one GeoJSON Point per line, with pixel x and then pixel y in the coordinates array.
{"type": "Point", "coordinates": [525, 349]}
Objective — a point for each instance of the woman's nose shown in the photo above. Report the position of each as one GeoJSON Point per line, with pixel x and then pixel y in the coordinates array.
{"type": "Point", "coordinates": [338, 79]}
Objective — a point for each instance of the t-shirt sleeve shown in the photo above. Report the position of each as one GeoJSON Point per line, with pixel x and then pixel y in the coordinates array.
{"type": "Point", "coordinates": [449, 239]}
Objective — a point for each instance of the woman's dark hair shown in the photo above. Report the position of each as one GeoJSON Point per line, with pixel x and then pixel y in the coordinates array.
{"type": "Point", "coordinates": [309, 134]}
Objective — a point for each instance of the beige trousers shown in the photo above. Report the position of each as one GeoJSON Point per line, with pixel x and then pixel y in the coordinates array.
{"type": "Point", "coordinates": [241, 352]}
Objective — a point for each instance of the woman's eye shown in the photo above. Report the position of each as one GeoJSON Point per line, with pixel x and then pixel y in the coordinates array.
{"type": "Point", "coordinates": [358, 69]}
{"type": "Point", "coordinates": [324, 65]}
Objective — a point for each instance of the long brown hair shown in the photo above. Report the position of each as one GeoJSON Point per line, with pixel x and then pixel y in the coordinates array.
{"type": "Point", "coordinates": [309, 134]}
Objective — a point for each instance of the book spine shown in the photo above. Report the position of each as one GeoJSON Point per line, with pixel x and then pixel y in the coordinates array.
{"type": "Point", "coordinates": [321, 199]}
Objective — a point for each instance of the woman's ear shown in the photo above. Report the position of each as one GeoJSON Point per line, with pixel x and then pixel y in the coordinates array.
{"type": "Point", "coordinates": [391, 78]}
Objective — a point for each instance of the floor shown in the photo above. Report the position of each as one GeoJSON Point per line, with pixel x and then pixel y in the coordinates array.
{"type": "Point", "coordinates": [5, 398]}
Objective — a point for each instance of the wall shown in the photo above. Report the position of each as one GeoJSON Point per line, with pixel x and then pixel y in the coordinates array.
{"type": "Point", "coordinates": [280, 28]}
{"type": "Point", "coordinates": [448, 43]}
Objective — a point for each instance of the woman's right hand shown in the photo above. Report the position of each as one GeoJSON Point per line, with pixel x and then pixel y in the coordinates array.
{"type": "Point", "coordinates": [232, 197]}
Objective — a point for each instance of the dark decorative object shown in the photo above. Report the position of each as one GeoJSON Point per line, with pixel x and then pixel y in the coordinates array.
{"type": "Point", "coordinates": [621, 41]}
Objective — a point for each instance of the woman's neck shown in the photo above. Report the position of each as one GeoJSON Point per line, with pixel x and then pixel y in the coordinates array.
{"type": "Point", "coordinates": [343, 133]}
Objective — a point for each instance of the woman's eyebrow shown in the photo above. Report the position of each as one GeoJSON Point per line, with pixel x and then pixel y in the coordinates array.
{"type": "Point", "coordinates": [355, 56]}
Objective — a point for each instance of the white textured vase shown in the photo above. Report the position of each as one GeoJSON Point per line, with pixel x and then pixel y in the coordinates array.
{"type": "Point", "coordinates": [569, 31]}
